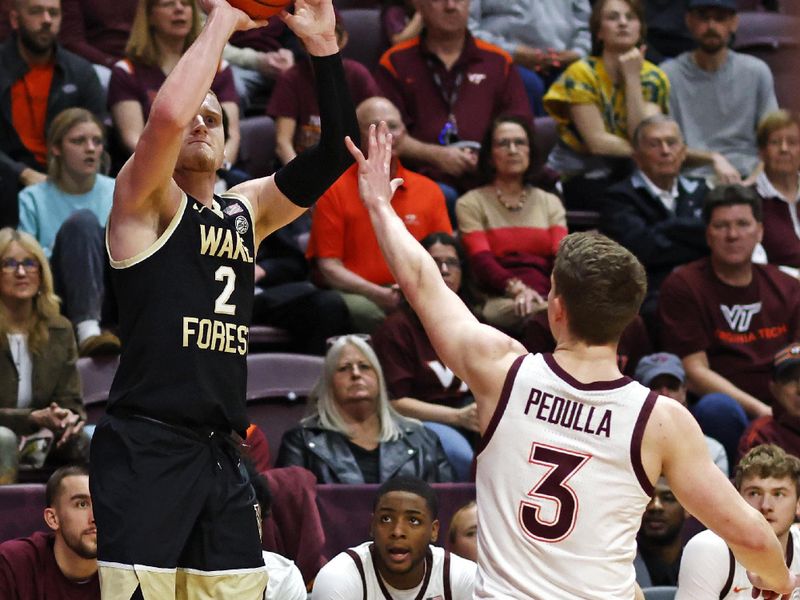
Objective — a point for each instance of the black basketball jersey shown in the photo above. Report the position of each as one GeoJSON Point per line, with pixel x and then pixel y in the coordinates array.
{"type": "Point", "coordinates": [185, 306]}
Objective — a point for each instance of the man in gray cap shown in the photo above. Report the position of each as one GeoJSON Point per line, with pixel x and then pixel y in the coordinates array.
{"type": "Point", "coordinates": [718, 96]}
{"type": "Point", "coordinates": [782, 428]}
{"type": "Point", "coordinates": [663, 373]}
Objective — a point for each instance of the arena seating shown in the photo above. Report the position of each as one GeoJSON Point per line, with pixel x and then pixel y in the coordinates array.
{"type": "Point", "coordinates": [257, 147]}
{"type": "Point", "coordinates": [96, 376]}
{"type": "Point", "coordinates": [366, 35]}
{"type": "Point", "coordinates": [661, 592]}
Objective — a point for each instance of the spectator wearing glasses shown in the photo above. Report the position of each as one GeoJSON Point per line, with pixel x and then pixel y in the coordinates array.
{"type": "Point", "coordinates": [352, 434]}
{"type": "Point", "coordinates": [511, 229]}
{"type": "Point", "coordinates": [39, 387]}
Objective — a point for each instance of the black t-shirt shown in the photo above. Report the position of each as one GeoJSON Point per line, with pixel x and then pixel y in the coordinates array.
{"type": "Point", "coordinates": [185, 307]}
{"type": "Point", "coordinates": [368, 461]}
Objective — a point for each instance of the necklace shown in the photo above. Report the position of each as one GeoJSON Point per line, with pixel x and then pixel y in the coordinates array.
{"type": "Point", "coordinates": [523, 196]}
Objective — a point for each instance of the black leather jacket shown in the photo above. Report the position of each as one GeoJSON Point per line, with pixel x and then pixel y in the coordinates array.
{"type": "Point", "coordinates": [417, 452]}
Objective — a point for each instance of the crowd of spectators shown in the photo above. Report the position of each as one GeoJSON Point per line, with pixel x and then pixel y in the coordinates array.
{"type": "Point", "coordinates": [676, 141]}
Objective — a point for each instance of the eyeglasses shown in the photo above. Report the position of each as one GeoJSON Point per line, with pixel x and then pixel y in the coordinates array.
{"type": "Point", "coordinates": [506, 143]}
{"type": "Point", "coordinates": [450, 262]}
{"type": "Point", "coordinates": [11, 265]}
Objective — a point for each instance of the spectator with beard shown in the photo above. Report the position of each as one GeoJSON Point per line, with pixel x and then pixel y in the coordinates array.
{"type": "Point", "coordinates": [659, 538]}
{"type": "Point", "coordinates": [38, 79]}
{"type": "Point", "coordinates": [62, 563]}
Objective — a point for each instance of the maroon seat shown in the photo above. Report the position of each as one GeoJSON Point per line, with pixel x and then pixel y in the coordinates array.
{"type": "Point", "coordinates": [366, 43]}
{"type": "Point", "coordinates": [267, 338]}
{"type": "Point", "coordinates": [96, 375]}
{"type": "Point", "coordinates": [277, 386]}
{"type": "Point", "coordinates": [346, 511]}
{"type": "Point", "coordinates": [257, 146]}
{"type": "Point", "coordinates": [545, 136]}
{"type": "Point", "coordinates": [21, 510]}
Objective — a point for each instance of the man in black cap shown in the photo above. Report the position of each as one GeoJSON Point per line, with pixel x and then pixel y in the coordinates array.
{"type": "Point", "coordinates": [782, 428]}
{"type": "Point", "coordinates": [718, 96]}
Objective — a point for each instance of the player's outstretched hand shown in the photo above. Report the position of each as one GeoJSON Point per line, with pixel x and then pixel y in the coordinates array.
{"type": "Point", "coordinates": [243, 21]}
{"type": "Point", "coordinates": [313, 22]}
{"type": "Point", "coordinates": [768, 594]}
{"type": "Point", "coordinates": [374, 184]}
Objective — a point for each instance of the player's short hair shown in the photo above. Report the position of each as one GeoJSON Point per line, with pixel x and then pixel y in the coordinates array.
{"type": "Point", "coordinates": [454, 521]}
{"type": "Point", "coordinates": [53, 488]}
{"type": "Point", "coordinates": [732, 195]}
{"type": "Point", "coordinates": [768, 461]}
{"type": "Point", "coordinates": [601, 284]}
{"type": "Point", "coordinates": [772, 122]}
{"type": "Point", "coordinates": [412, 485]}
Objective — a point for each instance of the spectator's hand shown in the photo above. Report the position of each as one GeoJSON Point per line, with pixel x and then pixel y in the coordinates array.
{"type": "Point", "coordinates": [760, 591]}
{"type": "Point", "coordinates": [72, 427]}
{"type": "Point", "coordinates": [630, 63]}
{"type": "Point", "coordinates": [61, 421]}
{"type": "Point", "coordinates": [528, 301]}
{"type": "Point", "coordinates": [726, 173]}
{"type": "Point", "coordinates": [388, 298]}
{"type": "Point", "coordinates": [456, 161]}
{"type": "Point", "coordinates": [31, 177]}
{"type": "Point", "coordinates": [272, 64]}
{"type": "Point", "coordinates": [467, 417]}
{"type": "Point", "coordinates": [531, 58]}
{"type": "Point", "coordinates": [762, 410]}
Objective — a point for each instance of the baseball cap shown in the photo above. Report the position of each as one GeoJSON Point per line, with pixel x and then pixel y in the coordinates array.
{"type": "Point", "coordinates": [785, 359]}
{"type": "Point", "coordinates": [725, 4]}
{"type": "Point", "coordinates": [660, 363]}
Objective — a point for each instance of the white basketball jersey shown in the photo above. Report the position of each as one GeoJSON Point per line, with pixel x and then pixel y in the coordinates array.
{"type": "Point", "coordinates": [435, 585]}
{"type": "Point", "coordinates": [560, 486]}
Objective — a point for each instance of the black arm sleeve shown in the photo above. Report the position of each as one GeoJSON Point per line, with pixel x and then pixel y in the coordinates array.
{"type": "Point", "coordinates": [314, 170]}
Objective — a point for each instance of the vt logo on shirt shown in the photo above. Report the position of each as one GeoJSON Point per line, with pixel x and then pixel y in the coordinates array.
{"type": "Point", "coordinates": [739, 316]}
{"type": "Point", "coordinates": [476, 78]}
{"type": "Point", "coordinates": [445, 376]}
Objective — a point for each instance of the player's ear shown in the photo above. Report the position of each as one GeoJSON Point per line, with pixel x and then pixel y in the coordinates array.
{"type": "Point", "coordinates": [435, 530]}
{"type": "Point", "coordinates": [51, 518]}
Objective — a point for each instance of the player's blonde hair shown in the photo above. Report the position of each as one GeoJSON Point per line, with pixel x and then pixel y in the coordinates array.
{"type": "Point", "coordinates": [768, 461]}
{"type": "Point", "coordinates": [601, 284]}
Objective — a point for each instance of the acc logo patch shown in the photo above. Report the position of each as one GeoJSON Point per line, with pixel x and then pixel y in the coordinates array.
{"type": "Point", "coordinates": [241, 224]}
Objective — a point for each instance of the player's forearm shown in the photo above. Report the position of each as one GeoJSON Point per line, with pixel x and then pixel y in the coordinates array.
{"type": "Point", "coordinates": [188, 83]}
{"type": "Point", "coordinates": [760, 552]}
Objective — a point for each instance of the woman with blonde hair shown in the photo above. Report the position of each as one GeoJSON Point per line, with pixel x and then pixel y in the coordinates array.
{"type": "Point", "coordinates": [39, 388]}
{"type": "Point", "coordinates": [67, 214]}
{"type": "Point", "coordinates": [352, 434]}
{"type": "Point", "coordinates": [162, 31]}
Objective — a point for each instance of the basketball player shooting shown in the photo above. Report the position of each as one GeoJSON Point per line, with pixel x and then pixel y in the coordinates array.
{"type": "Point", "coordinates": [570, 448]}
{"type": "Point", "coordinates": [175, 510]}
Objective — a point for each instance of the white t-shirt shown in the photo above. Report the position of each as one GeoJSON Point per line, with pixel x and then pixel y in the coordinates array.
{"type": "Point", "coordinates": [340, 579]}
{"type": "Point", "coordinates": [709, 570]}
{"type": "Point", "coordinates": [285, 580]}
{"type": "Point", "coordinates": [18, 344]}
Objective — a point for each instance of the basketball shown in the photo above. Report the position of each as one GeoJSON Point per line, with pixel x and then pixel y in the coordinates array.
{"type": "Point", "coordinates": [260, 9]}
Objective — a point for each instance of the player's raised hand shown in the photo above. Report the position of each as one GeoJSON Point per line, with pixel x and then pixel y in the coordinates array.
{"type": "Point", "coordinates": [761, 590]}
{"type": "Point", "coordinates": [243, 21]}
{"type": "Point", "coordinates": [314, 22]}
{"type": "Point", "coordinates": [375, 185]}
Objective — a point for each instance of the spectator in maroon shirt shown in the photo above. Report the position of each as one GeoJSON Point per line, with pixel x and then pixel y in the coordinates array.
{"type": "Point", "coordinates": [420, 385]}
{"type": "Point", "coordinates": [778, 138]}
{"type": "Point", "coordinates": [61, 564]}
{"type": "Point", "coordinates": [293, 103]}
{"type": "Point", "coordinates": [449, 87]}
{"type": "Point", "coordinates": [726, 317]}
{"type": "Point", "coordinates": [162, 31]}
{"type": "Point", "coordinates": [783, 427]}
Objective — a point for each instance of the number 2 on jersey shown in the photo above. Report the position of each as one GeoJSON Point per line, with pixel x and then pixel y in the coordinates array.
{"type": "Point", "coordinates": [552, 491]}
{"type": "Point", "coordinates": [221, 305]}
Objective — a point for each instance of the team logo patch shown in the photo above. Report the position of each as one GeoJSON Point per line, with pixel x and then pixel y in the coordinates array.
{"type": "Point", "coordinates": [241, 225]}
{"type": "Point", "coordinates": [233, 209]}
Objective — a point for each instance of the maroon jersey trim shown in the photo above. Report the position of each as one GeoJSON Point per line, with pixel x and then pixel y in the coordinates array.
{"type": "Point", "coordinates": [729, 581]}
{"type": "Point", "coordinates": [586, 387]}
{"type": "Point", "coordinates": [636, 443]}
{"type": "Point", "coordinates": [357, 559]}
{"type": "Point", "coordinates": [501, 404]}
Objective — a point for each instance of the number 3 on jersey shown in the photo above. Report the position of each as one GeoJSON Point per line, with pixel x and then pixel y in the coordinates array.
{"type": "Point", "coordinates": [550, 514]}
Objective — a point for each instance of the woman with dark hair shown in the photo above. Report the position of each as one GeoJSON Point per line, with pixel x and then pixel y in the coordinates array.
{"type": "Point", "coordinates": [600, 100]}
{"type": "Point", "coordinates": [39, 387]}
{"type": "Point", "coordinates": [419, 384]}
{"type": "Point", "coordinates": [511, 229]}
{"type": "Point", "coordinates": [353, 434]}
